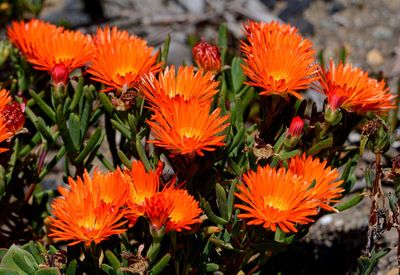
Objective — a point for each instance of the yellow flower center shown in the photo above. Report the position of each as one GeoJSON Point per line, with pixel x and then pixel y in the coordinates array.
{"type": "Point", "coordinates": [279, 75]}
{"type": "Point", "coordinates": [123, 71]}
{"type": "Point", "coordinates": [89, 222]}
{"type": "Point", "coordinates": [189, 132]}
{"type": "Point", "coordinates": [276, 202]}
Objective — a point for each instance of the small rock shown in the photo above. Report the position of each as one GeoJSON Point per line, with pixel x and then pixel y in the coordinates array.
{"type": "Point", "coordinates": [304, 26]}
{"type": "Point", "coordinates": [375, 58]}
{"type": "Point", "coordinates": [382, 33]}
{"type": "Point", "coordinates": [194, 6]}
{"type": "Point", "coordinates": [336, 7]}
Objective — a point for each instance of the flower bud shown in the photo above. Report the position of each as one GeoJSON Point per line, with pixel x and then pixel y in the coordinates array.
{"type": "Point", "coordinates": [207, 57]}
{"type": "Point", "coordinates": [296, 127]}
{"type": "Point", "coordinates": [157, 210]}
{"type": "Point", "coordinates": [59, 75]}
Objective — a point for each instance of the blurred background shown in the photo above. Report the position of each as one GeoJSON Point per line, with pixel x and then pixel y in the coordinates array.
{"type": "Point", "coordinates": [367, 31]}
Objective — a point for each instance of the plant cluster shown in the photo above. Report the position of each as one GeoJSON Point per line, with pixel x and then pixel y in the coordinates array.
{"type": "Point", "coordinates": [214, 167]}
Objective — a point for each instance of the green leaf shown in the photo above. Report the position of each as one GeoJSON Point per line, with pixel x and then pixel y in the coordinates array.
{"type": "Point", "coordinates": [113, 260]}
{"type": "Point", "coordinates": [45, 131]}
{"type": "Point", "coordinates": [210, 214]}
{"type": "Point", "coordinates": [367, 264]}
{"type": "Point", "coordinates": [223, 41]}
{"type": "Point", "coordinates": [161, 264]}
{"type": "Point", "coordinates": [231, 198]}
{"type": "Point", "coordinates": [46, 109]}
{"type": "Point", "coordinates": [11, 163]}
{"type": "Point", "coordinates": [356, 199]}
{"type": "Point", "coordinates": [106, 103]}
{"type": "Point", "coordinates": [237, 74]}
{"type": "Point", "coordinates": [87, 108]}
{"type": "Point", "coordinates": [209, 267]}
{"type": "Point", "coordinates": [142, 154]}
{"type": "Point", "coordinates": [92, 142]}
{"type": "Point", "coordinates": [122, 129]}
{"type": "Point", "coordinates": [28, 148]}
{"type": "Point", "coordinates": [47, 168]}
{"type": "Point", "coordinates": [108, 269]}
{"type": "Point", "coordinates": [221, 201]}
{"type": "Point", "coordinates": [71, 269]}
{"type": "Point", "coordinates": [165, 50]}
{"type": "Point", "coordinates": [48, 271]}
{"type": "Point", "coordinates": [322, 145]}
{"type": "Point", "coordinates": [2, 182]}
{"type": "Point", "coordinates": [77, 94]}
{"type": "Point", "coordinates": [19, 260]}
{"type": "Point", "coordinates": [74, 129]}
{"type": "Point", "coordinates": [8, 271]}
{"type": "Point", "coordinates": [32, 248]}
{"type": "Point", "coordinates": [288, 155]}
{"type": "Point", "coordinates": [62, 125]}
{"type": "Point", "coordinates": [124, 159]}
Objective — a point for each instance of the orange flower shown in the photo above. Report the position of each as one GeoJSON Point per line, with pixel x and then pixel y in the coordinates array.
{"type": "Point", "coordinates": [143, 186]}
{"type": "Point", "coordinates": [72, 49]}
{"type": "Point", "coordinates": [28, 36]}
{"type": "Point", "coordinates": [121, 60]}
{"type": "Point", "coordinates": [175, 129]}
{"type": "Point", "coordinates": [87, 212]}
{"type": "Point", "coordinates": [352, 89]}
{"type": "Point", "coordinates": [275, 198]}
{"type": "Point", "coordinates": [278, 59]}
{"type": "Point", "coordinates": [327, 188]}
{"type": "Point", "coordinates": [158, 210]}
{"type": "Point", "coordinates": [186, 83]}
{"type": "Point", "coordinates": [207, 57]}
{"type": "Point", "coordinates": [51, 49]}
{"type": "Point", "coordinates": [185, 210]}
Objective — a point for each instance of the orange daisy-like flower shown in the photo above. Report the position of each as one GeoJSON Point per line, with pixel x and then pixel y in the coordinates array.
{"type": "Point", "coordinates": [121, 60]}
{"type": "Point", "coordinates": [325, 186]}
{"type": "Point", "coordinates": [176, 130]}
{"type": "Point", "coordinates": [275, 198]}
{"type": "Point", "coordinates": [50, 48]}
{"type": "Point", "coordinates": [143, 186]}
{"type": "Point", "coordinates": [28, 36]}
{"type": "Point", "coordinates": [86, 213]}
{"type": "Point", "coordinates": [352, 89]}
{"type": "Point", "coordinates": [278, 59]}
{"type": "Point", "coordinates": [158, 210]}
{"type": "Point", "coordinates": [185, 210]}
{"type": "Point", "coordinates": [186, 83]}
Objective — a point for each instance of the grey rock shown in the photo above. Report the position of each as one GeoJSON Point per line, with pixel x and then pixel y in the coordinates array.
{"type": "Point", "coordinates": [382, 33]}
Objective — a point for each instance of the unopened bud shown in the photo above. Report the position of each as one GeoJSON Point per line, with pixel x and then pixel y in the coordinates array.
{"type": "Point", "coordinates": [296, 127]}
{"type": "Point", "coordinates": [335, 101]}
{"type": "Point", "coordinates": [59, 75]}
{"type": "Point", "coordinates": [207, 57]}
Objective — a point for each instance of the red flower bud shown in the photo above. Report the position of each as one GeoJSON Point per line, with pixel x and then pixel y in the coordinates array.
{"type": "Point", "coordinates": [14, 116]}
{"type": "Point", "coordinates": [335, 101]}
{"type": "Point", "coordinates": [296, 127]}
{"type": "Point", "coordinates": [207, 57]}
{"type": "Point", "coordinates": [59, 74]}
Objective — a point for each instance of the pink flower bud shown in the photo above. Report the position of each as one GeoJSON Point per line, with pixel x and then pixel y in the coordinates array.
{"type": "Point", "coordinates": [207, 57]}
{"type": "Point", "coordinates": [59, 74]}
{"type": "Point", "coordinates": [296, 127]}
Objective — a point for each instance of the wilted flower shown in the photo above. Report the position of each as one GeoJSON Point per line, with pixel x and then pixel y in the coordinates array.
{"type": "Point", "coordinates": [207, 57]}
{"type": "Point", "coordinates": [350, 88]}
{"type": "Point", "coordinates": [86, 213]}
{"type": "Point", "coordinates": [278, 59]}
{"type": "Point", "coordinates": [175, 129]}
{"type": "Point", "coordinates": [186, 83]}
{"type": "Point", "coordinates": [321, 180]}
{"type": "Point", "coordinates": [275, 198]}
{"type": "Point", "coordinates": [121, 60]}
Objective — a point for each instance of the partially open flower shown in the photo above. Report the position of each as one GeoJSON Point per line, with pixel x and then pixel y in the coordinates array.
{"type": "Point", "coordinates": [207, 57]}
{"type": "Point", "coordinates": [275, 198]}
{"type": "Point", "coordinates": [158, 209]}
{"type": "Point", "coordinates": [350, 88]}
{"type": "Point", "coordinates": [278, 59]}
{"type": "Point", "coordinates": [176, 130]}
